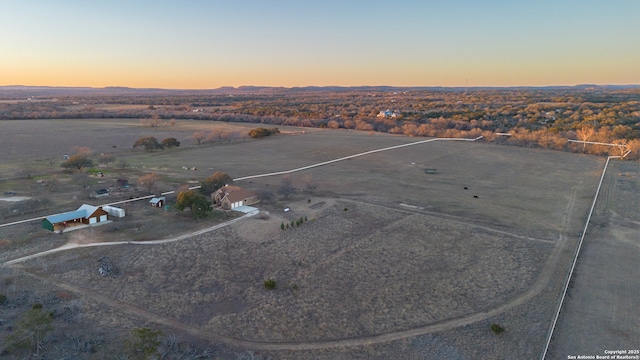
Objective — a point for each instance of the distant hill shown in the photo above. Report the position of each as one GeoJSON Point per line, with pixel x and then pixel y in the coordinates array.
{"type": "Point", "coordinates": [23, 92]}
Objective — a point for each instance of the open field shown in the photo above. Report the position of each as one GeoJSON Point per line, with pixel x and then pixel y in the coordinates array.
{"type": "Point", "coordinates": [601, 311]}
{"type": "Point", "coordinates": [392, 262]}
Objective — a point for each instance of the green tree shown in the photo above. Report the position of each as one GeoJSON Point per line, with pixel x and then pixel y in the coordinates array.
{"type": "Point", "coordinates": [143, 344]}
{"type": "Point", "coordinates": [199, 205]}
{"type": "Point", "coordinates": [269, 284]}
{"type": "Point", "coordinates": [149, 143]}
{"type": "Point", "coordinates": [184, 199]}
{"type": "Point", "coordinates": [170, 142]}
{"type": "Point", "coordinates": [215, 182]}
{"type": "Point", "coordinates": [262, 132]}
{"type": "Point", "coordinates": [31, 330]}
{"type": "Point", "coordinates": [77, 161]}
{"type": "Point", "coordinates": [497, 329]}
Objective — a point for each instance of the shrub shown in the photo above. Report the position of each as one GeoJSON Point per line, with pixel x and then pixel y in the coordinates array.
{"type": "Point", "coordinates": [269, 284]}
{"type": "Point", "coordinates": [345, 209]}
{"type": "Point", "coordinates": [282, 225]}
{"type": "Point", "coordinates": [3, 299]}
{"type": "Point", "coordinates": [497, 329]}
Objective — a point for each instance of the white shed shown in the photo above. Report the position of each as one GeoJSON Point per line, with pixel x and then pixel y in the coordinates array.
{"type": "Point", "coordinates": [114, 211]}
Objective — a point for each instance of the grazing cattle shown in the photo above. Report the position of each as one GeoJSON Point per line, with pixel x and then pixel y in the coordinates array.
{"type": "Point", "coordinates": [475, 196]}
{"type": "Point", "coordinates": [466, 188]}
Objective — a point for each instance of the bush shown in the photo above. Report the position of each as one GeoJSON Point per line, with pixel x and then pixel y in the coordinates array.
{"type": "Point", "coordinates": [282, 225]}
{"type": "Point", "coordinates": [269, 284]}
{"type": "Point", "coordinates": [497, 329]}
{"type": "Point", "coordinates": [3, 299]}
{"type": "Point", "coordinates": [149, 143]}
{"type": "Point", "coordinates": [262, 132]}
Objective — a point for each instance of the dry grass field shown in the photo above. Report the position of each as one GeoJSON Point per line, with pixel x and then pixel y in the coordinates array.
{"type": "Point", "coordinates": [601, 312]}
{"type": "Point", "coordinates": [391, 262]}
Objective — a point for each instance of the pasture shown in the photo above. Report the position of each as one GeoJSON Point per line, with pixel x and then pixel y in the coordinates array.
{"type": "Point", "coordinates": [390, 261]}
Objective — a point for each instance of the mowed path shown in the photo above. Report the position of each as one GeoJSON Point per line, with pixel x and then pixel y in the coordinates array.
{"type": "Point", "coordinates": [540, 283]}
{"type": "Point", "coordinates": [538, 286]}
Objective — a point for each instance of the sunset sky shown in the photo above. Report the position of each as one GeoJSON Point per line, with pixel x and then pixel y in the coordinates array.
{"type": "Point", "coordinates": [197, 44]}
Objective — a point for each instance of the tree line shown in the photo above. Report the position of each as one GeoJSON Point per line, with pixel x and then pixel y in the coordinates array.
{"type": "Point", "coordinates": [534, 117]}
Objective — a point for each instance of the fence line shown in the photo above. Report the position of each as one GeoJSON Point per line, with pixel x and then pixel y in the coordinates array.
{"type": "Point", "coordinates": [575, 258]}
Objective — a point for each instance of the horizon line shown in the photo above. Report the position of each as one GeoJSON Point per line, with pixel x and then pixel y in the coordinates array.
{"type": "Point", "coordinates": [317, 86]}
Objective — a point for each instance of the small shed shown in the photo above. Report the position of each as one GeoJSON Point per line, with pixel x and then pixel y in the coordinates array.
{"type": "Point", "coordinates": [158, 201]}
{"type": "Point", "coordinates": [114, 211]}
{"type": "Point", "coordinates": [99, 193]}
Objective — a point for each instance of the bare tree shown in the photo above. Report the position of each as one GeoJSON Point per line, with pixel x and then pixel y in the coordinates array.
{"type": "Point", "coordinates": [584, 134]}
{"type": "Point", "coordinates": [52, 183]}
{"type": "Point", "coordinates": [199, 137]}
{"type": "Point", "coordinates": [106, 159]}
{"type": "Point", "coordinates": [286, 186]}
{"type": "Point", "coordinates": [148, 181]}
{"type": "Point", "coordinates": [81, 178]}
{"type": "Point", "coordinates": [310, 185]}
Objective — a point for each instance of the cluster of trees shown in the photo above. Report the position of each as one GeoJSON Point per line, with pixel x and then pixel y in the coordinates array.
{"type": "Point", "coordinates": [198, 203]}
{"type": "Point", "coordinates": [217, 135]}
{"type": "Point", "coordinates": [79, 159]}
{"type": "Point", "coordinates": [155, 120]}
{"type": "Point", "coordinates": [150, 143]}
{"type": "Point", "coordinates": [534, 117]}
{"type": "Point", "coordinates": [262, 132]}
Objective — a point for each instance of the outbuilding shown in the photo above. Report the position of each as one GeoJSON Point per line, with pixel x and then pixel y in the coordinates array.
{"type": "Point", "coordinates": [85, 215]}
{"type": "Point", "coordinates": [158, 201]}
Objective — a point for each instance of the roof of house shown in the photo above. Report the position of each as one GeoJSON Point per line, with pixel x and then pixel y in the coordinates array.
{"type": "Point", "coordinates": [156, 200]}
{"type": "Point", "coordinates": [71, 215]}
{"type": "Point", "coordinates": [227, 189]}
{"type": "Point", "coordinates": [240, 194]}
{"type": "Point", "coordinates": [90, 209]}
{"type": "Point", "coordinates": [83, 211]}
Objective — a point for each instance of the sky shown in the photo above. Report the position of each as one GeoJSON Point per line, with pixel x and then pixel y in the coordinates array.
{"type": "Point", "coordinates": [206, 44]}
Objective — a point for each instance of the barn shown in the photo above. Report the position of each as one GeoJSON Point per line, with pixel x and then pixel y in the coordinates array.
{"type": "Point", "coordinates": [85, 215]}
